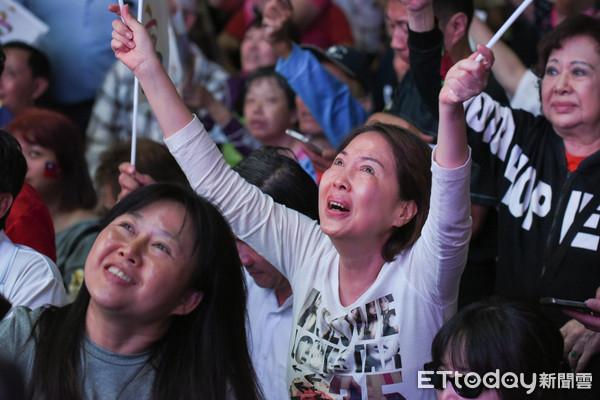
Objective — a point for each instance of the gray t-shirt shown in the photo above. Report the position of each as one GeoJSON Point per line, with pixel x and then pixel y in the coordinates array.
{"type": "Point", "coordinates": [105, 375]}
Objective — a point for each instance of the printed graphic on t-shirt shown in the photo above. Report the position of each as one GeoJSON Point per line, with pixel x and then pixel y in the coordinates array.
{"type": "Point", "coordinates": [350, 356]}
{"type": "Point", "coordinates": [529, 197]}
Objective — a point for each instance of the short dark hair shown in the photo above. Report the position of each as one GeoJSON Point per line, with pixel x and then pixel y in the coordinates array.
{"type": "Point", "coordinates": [38, 62]}
{"type": "Point", "coordinates": [203, 354]}
{"type": "Point", "coordinates": [282, 178]}
{"type": "Point", "coordinates": [14, 168]}
{"type": "Point", "coordinates": [269, 72]}
{"type": "Point", "coordinates": [55, 131]}
{"type": "Point", "coordinates": [572, 26]}
{"type": "Point", "coordinates": [445, 9]}
{"type": "Point", "coordinates": [412, 158]}
{"type": "Point", "coordinates": [153, 158]}
{"type": "Point", "coordinates": [501, 334]}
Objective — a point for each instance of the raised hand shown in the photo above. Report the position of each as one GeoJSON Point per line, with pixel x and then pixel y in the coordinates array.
{"type": "Point", "coordinates": [467, 78]}
{"type": "Point", "coordinates": [277, 16]}
{"type": "Point", "coordinates": [131, 43]}
{"type": "Point", "coordinates": [129, 179]}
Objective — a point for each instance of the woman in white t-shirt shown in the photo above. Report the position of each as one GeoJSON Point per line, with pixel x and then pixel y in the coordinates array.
{"type": "Point", "coordinates": [378, 234]}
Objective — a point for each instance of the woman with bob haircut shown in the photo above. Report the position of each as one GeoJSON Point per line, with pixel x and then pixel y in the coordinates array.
{"type": "Point", "coordinates": [496, 336]}
{"type": "Point", "coordinates": [161, 314]}
{"type": "Point", "coordinates": [57, 169]}
{"type": "Point", "coordinates": [377, 233]}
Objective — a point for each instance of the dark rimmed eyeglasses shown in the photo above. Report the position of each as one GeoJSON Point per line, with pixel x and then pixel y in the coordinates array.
{"type": "Point", "coordinates": [440, 381]}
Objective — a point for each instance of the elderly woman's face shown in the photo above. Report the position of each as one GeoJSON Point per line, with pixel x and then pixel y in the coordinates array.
{"type": "Point", "coordinates": [141, 263]}
{"type": "Point", "coordinates": [571, 86]}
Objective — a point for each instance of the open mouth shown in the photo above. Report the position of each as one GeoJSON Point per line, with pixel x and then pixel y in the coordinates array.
{"type": "Point", "coordinates": [334, 205]}
{"type": "Point", "coordinates": [120, 274]}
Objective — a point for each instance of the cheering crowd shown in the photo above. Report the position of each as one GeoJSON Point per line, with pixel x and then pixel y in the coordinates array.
{"type": "Point", "coordinates": [399, 248]}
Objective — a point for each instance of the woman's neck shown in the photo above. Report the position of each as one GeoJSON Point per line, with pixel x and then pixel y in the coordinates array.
{"type": "Point", "coordinates": [581, 145]}
{"type": "Point", "coordinates": [282, 141]}
{"type": "Point", "coordinates": [120, 335]}
{"type": "Point", "coordinates": [359, 269]}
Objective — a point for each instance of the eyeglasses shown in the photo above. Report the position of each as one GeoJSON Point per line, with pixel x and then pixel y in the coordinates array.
{"type": "Point", "coordinates": [439, 381]}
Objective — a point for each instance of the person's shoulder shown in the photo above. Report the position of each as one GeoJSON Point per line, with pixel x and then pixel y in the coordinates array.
{"type": "Point", "coordinates": [21, 319]}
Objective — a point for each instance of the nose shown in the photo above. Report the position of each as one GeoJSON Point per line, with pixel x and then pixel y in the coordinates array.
{"type": "Point", "coordinates": [131, 252]}
{"type": "Point", "coordinates": [245, 256]}
{"type": "Point", "coordinates": [399, 36]}
{"type": "Point", "coordinates": [341, 182]}
{"type": "Point", "coordinates": [562, 83]}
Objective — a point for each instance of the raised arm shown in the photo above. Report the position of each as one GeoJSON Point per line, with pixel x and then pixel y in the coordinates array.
{"type": "Point", "coordinates": [421, 17]}
{"type": "Point", "coordinates": [133, 46]}
{"type": "Point", "coordinates": [465, 79]}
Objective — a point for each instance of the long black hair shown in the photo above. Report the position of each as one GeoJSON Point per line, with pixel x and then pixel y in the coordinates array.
{"type": "Point", "coordinates": [203, 355]}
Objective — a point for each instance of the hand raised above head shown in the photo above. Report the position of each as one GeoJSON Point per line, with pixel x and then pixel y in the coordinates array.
{"type": "Point", "coordinates": [467, 78]}
{"type": "Point", "coordinates": [416, 5]}
{"type": "Point", "coordinates": [131, 42]}
{"type": "Point", "coordinates": [277, 14]}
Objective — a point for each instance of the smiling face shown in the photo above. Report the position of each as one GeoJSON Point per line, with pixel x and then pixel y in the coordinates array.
{"type": "Point", "coordinates": [571, 87]}
{"type": "Point", "coordinates": [141, 264]}
{"type": "Point", "coordinates": [267, 112]}
{"type": "Point", "coordinates": [359, 194]}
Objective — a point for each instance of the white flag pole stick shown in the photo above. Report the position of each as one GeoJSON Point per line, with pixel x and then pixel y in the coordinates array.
{"type": "Point", "coordinates": [136, 89]}
{"type": "Point", "coordinates": [505, 26]}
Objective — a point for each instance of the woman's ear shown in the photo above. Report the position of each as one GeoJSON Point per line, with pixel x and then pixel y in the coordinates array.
{"type": "Point", "coordinates": [406, 210]}
{"type": "Point", "coordinates": [189, 303]}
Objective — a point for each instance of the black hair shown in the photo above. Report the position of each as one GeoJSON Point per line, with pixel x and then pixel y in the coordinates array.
{"type": "Point", "coordinates": [14, 168]}
{"type": "Point", "coordinates": [269, 72]}
{"type": "Point", "coordinates": [445, 9]}
{"type": "Point", "coordinates": [153, 158]}
{"type": "Point", "coordinates": [37, 61]}
{"type": "Point", "coordinates": [572, 26]}
{"type": "Point", "coordinates": [509, 336]}
{"type": "Point", "coordinates": [282, 178]}
{"type": "Point", "coordinates": [203, 354]}
{"type": "Point", "coordinates": [412, 158]}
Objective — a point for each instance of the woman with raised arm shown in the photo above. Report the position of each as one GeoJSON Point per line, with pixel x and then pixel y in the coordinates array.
{"type": "Point", "coordinates": [378, 234]}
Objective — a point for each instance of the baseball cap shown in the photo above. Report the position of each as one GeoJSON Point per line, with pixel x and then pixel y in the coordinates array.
{"type": "Point", "coordinates": [353, 62]}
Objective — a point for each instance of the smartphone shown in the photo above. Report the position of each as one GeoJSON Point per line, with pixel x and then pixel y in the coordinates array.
{"type": "Point", "coordinates": [579, 306]}
{"type": "Point", "coordinates": [298, 136]}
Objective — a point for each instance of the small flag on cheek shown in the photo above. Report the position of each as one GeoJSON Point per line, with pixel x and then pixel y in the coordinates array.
{"type": "Point", "coordinates": [51, 170]}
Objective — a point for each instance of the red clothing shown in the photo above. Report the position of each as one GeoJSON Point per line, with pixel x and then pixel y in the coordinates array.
{"type": "Point", "coordinates": [332, 27]}
{"type": "Point", "coordinates": [29, 223]}
{"type": "Point", "coordinates": [573, 161]}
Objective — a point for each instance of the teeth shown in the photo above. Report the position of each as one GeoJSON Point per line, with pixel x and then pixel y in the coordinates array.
{"type": "Point", "coordinates": [118, 273]}
{"type": "Point", "coordinates": [336, 205]}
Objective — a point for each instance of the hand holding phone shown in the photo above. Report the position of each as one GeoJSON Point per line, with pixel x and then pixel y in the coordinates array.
{"type": "Point", "coordinates": [298, 136]}
{"type": "Point", "coordinates": [571, 305]}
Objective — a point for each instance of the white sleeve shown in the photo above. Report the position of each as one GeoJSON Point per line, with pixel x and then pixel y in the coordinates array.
{"type": "Point", "coordinates": [283, 236]}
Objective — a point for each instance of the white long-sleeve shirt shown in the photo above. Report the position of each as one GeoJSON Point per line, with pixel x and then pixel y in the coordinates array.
{"type": "Point", "coordinates": [368, 348]}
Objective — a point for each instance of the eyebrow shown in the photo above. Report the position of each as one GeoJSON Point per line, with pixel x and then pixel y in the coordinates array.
{"type": "Point", "coordinates": [576, 62]}
{"type": "Point", "coordinates": [365, 158]}
{"type": "Point", "coordinates": [168, 234]}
